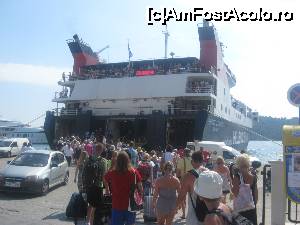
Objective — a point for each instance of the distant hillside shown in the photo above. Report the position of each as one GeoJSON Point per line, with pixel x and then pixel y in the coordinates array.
{"type": "Point", "coordinates": [271, 127]}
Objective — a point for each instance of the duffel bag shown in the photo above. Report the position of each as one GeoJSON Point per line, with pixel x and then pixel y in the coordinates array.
{"type": "Point", "coordinates": [77, 207]}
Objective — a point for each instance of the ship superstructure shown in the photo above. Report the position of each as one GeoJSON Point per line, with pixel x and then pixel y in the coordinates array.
{"type": "Point", "coordinates": [154, 102]}
{"type": "Point", "coordinates": [16, 129]}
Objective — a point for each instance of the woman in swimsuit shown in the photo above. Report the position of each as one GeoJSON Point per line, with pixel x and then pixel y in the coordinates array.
{"type": "Point", "coordinates": [165, 195]}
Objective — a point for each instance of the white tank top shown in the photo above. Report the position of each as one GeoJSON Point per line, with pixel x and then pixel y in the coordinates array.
{"type": "Point", "coordinates": [191, 218]}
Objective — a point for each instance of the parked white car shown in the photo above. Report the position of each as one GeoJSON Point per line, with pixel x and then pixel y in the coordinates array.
{"type": "Point", "coordinates": [35, 171]}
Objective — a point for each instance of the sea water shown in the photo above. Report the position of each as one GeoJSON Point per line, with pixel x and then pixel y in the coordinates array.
{"type": "Point", "coordinates": [266, 150]}
{"type": "Point", "coordinates": [263, 150]}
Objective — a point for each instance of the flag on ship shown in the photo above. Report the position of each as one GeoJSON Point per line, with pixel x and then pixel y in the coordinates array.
{"type": "Point", "coordinates": [129, 52]}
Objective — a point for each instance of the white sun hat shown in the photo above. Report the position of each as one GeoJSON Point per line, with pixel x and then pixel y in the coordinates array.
{"type": "Point", "coordinates": [208, 185]}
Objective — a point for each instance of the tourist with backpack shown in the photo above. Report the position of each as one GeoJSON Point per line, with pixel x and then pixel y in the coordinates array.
{"type": "Point", "coordinates": [196, 208]}
{"type": "Point", "coordinates": [79, 168]}
{"type": "Point", "coordinates": [145, 168]}
{"type": "Point", "coordinates": [208, 187]}
{"type": "Point", "coordinates": [92, 180]}
{"type": "Point", "coordinates": [119, 182]}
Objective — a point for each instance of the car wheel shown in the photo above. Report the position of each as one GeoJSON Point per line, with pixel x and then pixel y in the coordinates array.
{"type": "Point", "coordinates": [45, 187]}
{"type": "Point", "coordinates": [66, 179]}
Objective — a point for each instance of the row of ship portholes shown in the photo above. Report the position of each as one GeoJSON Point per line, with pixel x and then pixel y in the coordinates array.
{"type": "Point", "coordinates": [22, 135]}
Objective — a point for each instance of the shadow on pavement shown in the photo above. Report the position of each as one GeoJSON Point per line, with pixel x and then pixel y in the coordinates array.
{"type": "Point", "coordinates": [14, 195]}
{"type": "Point", "coordinates": [57, 216]}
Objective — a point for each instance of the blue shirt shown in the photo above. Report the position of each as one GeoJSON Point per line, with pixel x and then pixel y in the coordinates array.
{"type": "Point", "coordinates": [133, 156]}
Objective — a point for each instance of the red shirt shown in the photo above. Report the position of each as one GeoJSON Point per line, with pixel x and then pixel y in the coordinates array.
{"type": "Point", "coordinates": [120, 187]}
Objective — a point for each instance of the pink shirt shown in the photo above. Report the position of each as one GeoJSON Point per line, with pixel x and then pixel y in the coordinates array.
{"type": "Point", "coordinates": [89, 149]}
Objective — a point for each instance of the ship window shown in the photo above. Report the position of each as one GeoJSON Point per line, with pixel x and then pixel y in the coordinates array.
{"type": "Point", "coordinates": [221, 107]}
{"type": "Point", "coordinates": [225, 109]}
{"type": "Point", "coordinates": [24, 135]}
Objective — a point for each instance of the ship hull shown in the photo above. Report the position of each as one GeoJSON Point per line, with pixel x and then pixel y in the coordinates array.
{"type": "Point", "coordinates": [150, 131]}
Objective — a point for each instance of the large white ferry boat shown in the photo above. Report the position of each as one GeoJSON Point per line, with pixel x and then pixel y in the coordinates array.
{"type": "Point", "coordinates": [16, 129]}
{"type": "Point", "coordinates": [154, 102]}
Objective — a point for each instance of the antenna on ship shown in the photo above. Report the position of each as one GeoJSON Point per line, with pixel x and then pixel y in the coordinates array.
{"type": "Point", "coordinates": [166, 34]}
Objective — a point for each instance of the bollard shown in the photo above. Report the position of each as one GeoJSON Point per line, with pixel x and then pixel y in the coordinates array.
{"type": "Point", "coordinates": [278, 198]}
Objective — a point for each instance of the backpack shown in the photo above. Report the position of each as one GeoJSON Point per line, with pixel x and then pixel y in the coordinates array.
{"type": "Point", "coordinates": [77, 207]}
{"type": "Point", "coordinates": [77, 153]}
{"type": "Point", "coordinates": [231, 219]}
{"type": "Point", "coordinates": [200, 207]}
{"type": "Point", "coordinates": [144, 169]}
{"type": "Point", "coordinates": [93, 171]}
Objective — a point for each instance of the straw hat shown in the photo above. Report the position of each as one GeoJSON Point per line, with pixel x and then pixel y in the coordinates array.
{"type": "Point", "coordinates": [209, 185]}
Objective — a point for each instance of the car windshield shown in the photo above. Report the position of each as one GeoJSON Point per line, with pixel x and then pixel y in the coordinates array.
{"type": "Point", "coordinates": [5, 143]}
{"type": "Point", "coordinates": [31, 159]}
{"type": "Point", "coordinates": [235, 152]}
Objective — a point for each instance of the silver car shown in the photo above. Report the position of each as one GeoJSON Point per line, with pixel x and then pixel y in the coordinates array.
{"type": "Point", "coordinates": [35, 171]}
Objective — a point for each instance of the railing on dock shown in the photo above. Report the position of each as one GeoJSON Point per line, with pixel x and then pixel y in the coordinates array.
{"type": "Point", "coordinates": [266, 188]}
{"type": "Point", "coordinates": [293, 212]}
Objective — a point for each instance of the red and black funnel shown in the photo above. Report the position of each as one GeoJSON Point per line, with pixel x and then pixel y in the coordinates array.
{"type": "Point", "coordinates": [82, 53]}
{"type": "Point", "coordinates": [210, 51]}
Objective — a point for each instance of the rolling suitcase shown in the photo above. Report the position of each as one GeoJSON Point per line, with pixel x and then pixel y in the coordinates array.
{"type": "Point", "coordinates": [149, 212]}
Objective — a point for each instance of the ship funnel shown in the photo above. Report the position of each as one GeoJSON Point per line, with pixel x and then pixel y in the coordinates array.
{"type": "Point", "coordinates": [210, 49]}
{"type": "Point", "coordinates": [82, 53]}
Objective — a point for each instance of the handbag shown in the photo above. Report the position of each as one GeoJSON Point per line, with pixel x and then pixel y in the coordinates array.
{"type": "Point", "coordinates": [135, 197]}
{"type": "Point", "coordinates": [244, 200]}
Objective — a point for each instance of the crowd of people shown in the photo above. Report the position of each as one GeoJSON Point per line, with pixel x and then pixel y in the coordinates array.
{"type": "Point", "coordinates": [177, 179]}
{"type": "Point", "coordinates": [130, 70]}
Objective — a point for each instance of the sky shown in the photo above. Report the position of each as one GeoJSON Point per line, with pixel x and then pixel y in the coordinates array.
{"type": "Point", "coordinates": [264, 56]}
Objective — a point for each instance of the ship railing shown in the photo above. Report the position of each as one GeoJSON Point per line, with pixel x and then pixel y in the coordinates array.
{"type": "Point", "coordinates": [61, 94]}
{"type": "Point", "coordinates": [69, 112]}
{"type": "Point", "coordinates": [110, 73]}
{"type": "Point", "coordinates": [202, 90]}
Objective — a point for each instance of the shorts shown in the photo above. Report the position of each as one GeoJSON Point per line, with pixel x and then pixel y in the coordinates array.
{"type": "Point", "coordinates": [94, 196]}
{"type": "Point", "coordinates": [226, 192]}
{"type": "Point", "coordinates": [122, 217]}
